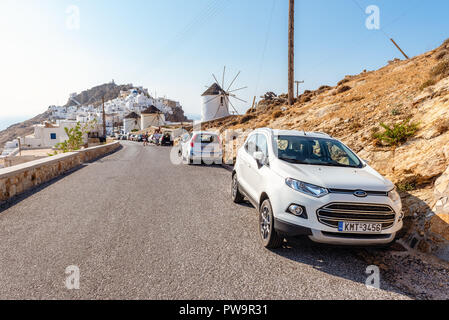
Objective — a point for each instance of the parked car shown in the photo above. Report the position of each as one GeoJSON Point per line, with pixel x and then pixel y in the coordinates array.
{"type": "Point", "coordinates": [166, 140]}
{"type": "Point", "coordinates": [201, 146]}
{"type": "Point", "coordinates": [312, 184]}
{"type": "Point", "coordinates": [156, 138]}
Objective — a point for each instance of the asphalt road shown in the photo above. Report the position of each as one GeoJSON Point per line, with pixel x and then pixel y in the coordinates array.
{"type": "Point", "coordinates": [139, 227]}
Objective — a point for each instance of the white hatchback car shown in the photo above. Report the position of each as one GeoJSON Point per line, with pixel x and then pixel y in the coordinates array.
{"type": "Point", "coordinates": [201, 147]}
{"type": "Point", "coordinates": [311, 184]}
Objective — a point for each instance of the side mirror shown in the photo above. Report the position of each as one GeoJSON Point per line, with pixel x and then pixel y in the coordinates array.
{"type": "Point", "coordinates": [258, 156]}
{"type": "Point", "coordinates": [366, 162]}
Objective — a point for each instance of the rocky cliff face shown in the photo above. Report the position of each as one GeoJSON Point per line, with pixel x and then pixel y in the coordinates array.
{"type": "Point", "coordinates": [95, 95]}
{"type": "Point", "coordinates": [411, 94]}
{"type": "Point", "coordinates": [177, 116]}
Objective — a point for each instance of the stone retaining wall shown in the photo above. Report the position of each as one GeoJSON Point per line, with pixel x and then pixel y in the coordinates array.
{"type": "Point", "coordinates": [18, 179]}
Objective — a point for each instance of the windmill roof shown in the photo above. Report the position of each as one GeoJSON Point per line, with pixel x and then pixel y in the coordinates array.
{"type": "Point", "coordinates": [213, 90]}
{"type": "Point", "coordinates": [132, 115]}
{"type": "Point", "coordinates": [151, 110]}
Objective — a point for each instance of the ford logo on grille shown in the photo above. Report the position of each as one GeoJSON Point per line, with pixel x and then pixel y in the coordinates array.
{"type": "Point", "coordinates": [360, 194]}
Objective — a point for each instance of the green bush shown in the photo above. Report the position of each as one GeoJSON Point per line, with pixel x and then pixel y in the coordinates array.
{"type": "Point", "coordinates": [75, 137]}
{"type": "Point", "coordinates": [398, 133]}
{"type": "Point", "coordinates": [406, 186]}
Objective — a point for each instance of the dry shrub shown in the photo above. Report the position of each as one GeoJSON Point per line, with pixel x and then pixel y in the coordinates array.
{"type": "Point", "coordinates": [441, 69]}
{"type": "Point", "coordinates": [304, 98]}
{"type": "Point", "coordinates": [440, 55]}
{"type": "Point", "coordinates": [343, 81]}
{"type": "Point", "coordinates": [343, 89]}
{"type": "Point", "coordinates": [355, 126]}
{"type": "Point", "coordinates": [427, 84]}
{"type": "Point", "coordinates": [442, 126]}
{"type": "Point", "coordinates": [354, 99]}
{"type": "Point", "coordinates": [246, 118]}
{"type": "Point", "coordinates": [276, 114]}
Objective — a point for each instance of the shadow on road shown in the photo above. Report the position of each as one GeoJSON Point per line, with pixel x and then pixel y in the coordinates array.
{"type": "Point", "coordinates": [339, 261]}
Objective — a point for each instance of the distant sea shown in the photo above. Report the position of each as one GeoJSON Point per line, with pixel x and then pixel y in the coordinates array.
{"type": "Point", "coordinates": [193, 116]}
{"type": "Point", "coordinates": [5, 122]}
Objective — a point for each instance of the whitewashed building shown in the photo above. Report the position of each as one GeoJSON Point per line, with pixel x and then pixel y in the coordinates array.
{"type": "Point", "coordinates": [47, 135]}
{"type": "Point", "coordinates": [131, 122]}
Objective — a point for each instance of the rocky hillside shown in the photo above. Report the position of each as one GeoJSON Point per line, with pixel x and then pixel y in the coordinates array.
{"type": "Point", "coordinates": [411, 99]}
{"type": "Point", "coordinates": [95, 95]}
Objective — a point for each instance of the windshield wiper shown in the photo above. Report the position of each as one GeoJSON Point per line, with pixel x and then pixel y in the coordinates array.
{"type": "Point", "coordinates": [317, 164]}
{"type": "Point", "coordinates": [292, 160]}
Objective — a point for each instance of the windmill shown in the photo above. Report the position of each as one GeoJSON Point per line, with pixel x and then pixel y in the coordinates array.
{"type": "Point", "coordinates": [217, 99]}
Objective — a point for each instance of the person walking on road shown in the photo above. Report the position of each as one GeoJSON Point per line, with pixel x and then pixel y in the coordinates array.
{"type": "Point", "coordinates": [145, 139]}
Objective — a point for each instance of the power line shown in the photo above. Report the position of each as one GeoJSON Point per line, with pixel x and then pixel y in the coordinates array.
{"type": "Point", "coordinates": [267, 35]}
{"type": "Point", "coordinates": [365, 39]}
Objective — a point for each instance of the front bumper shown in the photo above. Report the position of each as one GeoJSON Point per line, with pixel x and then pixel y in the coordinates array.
{"type": "Point", "coordinates": [290, 225]}
{"type": "Point", "coordinates": [351, 239]}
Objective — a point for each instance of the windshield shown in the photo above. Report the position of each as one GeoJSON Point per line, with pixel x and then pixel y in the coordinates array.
{"type": "Point", "coordinates": [315, 151]}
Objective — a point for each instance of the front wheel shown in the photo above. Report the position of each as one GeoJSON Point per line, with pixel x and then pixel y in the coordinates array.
{"type": "Point", "coordinates": [237, 197]}
{"type": "Point", "coordinates": [269, 236]}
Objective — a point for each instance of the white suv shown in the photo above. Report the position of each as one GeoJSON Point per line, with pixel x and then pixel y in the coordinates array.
{"type": "Point", "coordinates": [201, 147]}
{"type": "Point", "coordinates": [311, 184]}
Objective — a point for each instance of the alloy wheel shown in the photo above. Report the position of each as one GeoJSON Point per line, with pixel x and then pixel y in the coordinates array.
{"type": "Point", "coordinates": [265, 223]}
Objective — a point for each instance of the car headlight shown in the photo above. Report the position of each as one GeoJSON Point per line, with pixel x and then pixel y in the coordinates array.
{"type": "Point", "coordinates": [394, 195]}
{"type": "Point", "coordinates": [307, 188]}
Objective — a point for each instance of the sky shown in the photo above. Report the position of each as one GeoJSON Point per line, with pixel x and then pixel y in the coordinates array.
{"type": "Point", "coordinates": [172, 47]}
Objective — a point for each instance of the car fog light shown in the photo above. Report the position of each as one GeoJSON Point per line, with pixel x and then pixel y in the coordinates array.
{"type": "Point", "coordinates": [298, 211]}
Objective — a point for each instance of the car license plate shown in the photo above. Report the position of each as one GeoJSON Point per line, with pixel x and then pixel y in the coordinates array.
{"type": "Point", "coordinates": [359, 227]}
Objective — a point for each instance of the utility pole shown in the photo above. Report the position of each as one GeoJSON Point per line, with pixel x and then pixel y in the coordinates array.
{"type": "Point", "coordinates": [297, 87]}
{"type": "Point", "coordinates": [291, 51]}
{"type": "Point", "coordinates": [254, 103]}
{"type": "Point", "coordinates": [399, 48]}
{"type": "Point", "coordinates": [104, 121]}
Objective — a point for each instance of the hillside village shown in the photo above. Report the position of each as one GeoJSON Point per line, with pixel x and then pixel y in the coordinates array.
{"type": "Point", "coordinates": [130, 108]}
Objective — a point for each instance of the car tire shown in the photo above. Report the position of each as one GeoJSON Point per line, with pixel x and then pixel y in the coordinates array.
{"type": "Point", "coordinates": [237, 197]}
{"type": "Point", "coordinates": [270, 238]}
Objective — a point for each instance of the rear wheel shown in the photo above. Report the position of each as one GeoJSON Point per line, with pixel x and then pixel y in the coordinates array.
{"type": "Point", "coordinates": [269, 236]}
{"type": "Point", "coordinates": [237, 197]}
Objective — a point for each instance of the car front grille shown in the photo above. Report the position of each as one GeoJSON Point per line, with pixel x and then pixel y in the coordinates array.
{"type": "Point", "coordinates": [333, 213]}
